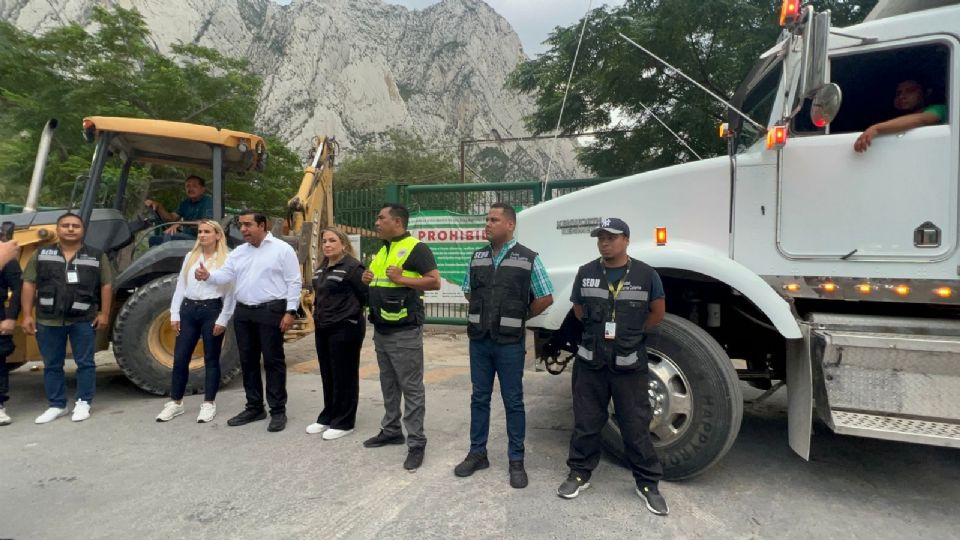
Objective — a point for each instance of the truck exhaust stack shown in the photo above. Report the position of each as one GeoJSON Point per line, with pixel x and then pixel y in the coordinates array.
{"type": "Point", "coordinates": [40, 165]}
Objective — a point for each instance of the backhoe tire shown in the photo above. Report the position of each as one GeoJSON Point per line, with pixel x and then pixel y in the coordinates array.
{"type": "Point", "coordinates": [143, 342]}
{"type": "Point", "coordinates": [701, 401]}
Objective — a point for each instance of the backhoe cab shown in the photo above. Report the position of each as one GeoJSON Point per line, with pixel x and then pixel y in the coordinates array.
{"type": "Point", "coordinates": [146, 276]}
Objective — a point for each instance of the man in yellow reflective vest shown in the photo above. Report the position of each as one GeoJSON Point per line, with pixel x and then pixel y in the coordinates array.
{"type": "Point", "coordinates": [402, 269]}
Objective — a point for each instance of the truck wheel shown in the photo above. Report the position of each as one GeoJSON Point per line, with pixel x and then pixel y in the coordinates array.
{"type": "Point", "coordinates": [143, 341]}
{"type": "Point", "coordinates": [696, 399]}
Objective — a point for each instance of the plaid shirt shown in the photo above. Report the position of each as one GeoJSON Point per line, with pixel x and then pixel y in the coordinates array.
{"type": "Point", "coordinates": [540, 283]}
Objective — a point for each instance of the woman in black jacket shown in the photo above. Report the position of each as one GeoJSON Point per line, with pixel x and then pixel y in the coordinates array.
{"type": "Point", "coordinates": [338, 316]}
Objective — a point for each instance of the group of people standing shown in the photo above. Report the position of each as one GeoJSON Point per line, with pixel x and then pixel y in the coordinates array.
{"type": "Point", "coordinates": [258, 285]}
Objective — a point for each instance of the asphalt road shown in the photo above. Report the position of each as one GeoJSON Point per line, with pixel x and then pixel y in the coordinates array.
{"type": "Point", "coordinates": [122, 475]}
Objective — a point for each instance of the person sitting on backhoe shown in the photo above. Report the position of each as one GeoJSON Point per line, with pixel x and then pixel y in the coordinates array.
{"type": "Point", "coordinates": [910, 101]}
{"type": "Point", "coordinates": [197, 206]}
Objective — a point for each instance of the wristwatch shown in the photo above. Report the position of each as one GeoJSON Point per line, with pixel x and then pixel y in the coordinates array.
{"type": "Point", "coordinates": [292, 312]}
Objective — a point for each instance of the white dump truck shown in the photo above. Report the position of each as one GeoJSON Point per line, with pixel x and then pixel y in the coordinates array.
{"type": "Point", "coordinates": [796, 260]}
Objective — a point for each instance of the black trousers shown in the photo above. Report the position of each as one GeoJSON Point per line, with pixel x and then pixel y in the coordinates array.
{"type": "Point", "coordinates": [258, 334]}
{"type": "Point", "coordinates": [592, 391]}
{"type": "Point", "coordinates": [338, 351]}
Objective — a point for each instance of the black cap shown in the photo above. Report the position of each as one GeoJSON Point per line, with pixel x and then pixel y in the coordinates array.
{"type": "Point", "coordinates": [613, 226]}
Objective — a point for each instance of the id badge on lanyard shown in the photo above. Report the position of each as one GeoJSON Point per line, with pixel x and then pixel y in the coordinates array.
{"type": "Point", "coordinates": [73, 277]}
{"type": "Point", "coordinates": [610, 330]}
{"type": "Point", "coordinates": [610, 327]}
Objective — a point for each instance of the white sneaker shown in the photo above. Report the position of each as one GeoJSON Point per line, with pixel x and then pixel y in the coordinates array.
{"type": "Point", "coordinates": [4, 417]}
{"type": "Point", "coordinates": [50, 415]}
{"type": "Point", "coordinates": [207, 412]}
{"type": "Point", "coordinates": [81, 411]}
{"type": "Point", "coordinates": [315, 428]}
{"type": "Point", "coordinates": [332, 434]}
{"type": "Point", "coordinates": [171, 409]}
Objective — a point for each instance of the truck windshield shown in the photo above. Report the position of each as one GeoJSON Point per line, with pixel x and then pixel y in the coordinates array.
{"type": "Point", "coordinates": [759, 92]}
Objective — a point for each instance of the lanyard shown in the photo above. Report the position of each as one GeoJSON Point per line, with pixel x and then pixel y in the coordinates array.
{"type": "Point", "coordinates": [615, 291]}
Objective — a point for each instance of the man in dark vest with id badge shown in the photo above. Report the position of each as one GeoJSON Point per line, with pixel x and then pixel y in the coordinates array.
{"type": "Point", "coordinates": [506, 283]}
{"type": "Point", "coordinates": [71, 283]}
{"type": "Point", "coordinates": [618, 299]}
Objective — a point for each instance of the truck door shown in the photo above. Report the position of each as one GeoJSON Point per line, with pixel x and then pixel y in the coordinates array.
{"type": "Point", "coordinates": [896, 201]}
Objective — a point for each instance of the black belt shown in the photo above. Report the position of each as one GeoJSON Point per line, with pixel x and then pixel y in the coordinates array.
{"type": "Point", "coordinates": [263, 305]}
{"type": "Point", "coordinates": [210, 302]}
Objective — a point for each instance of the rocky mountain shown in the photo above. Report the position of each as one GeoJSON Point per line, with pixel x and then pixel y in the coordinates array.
{"type": "Point", "coordinates": [354, 69]}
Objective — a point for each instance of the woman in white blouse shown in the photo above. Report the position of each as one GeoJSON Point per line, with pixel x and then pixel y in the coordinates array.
{"type": "Point", "coordinates": [199, 310]}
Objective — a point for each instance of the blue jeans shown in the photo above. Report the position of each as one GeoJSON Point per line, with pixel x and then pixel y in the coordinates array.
{"type": "Point", "coordinates": [52, 341]}
{"type": "Point", "coordinates": [196, 323]}
{"type": "Point", "coordinates": [488, 358]}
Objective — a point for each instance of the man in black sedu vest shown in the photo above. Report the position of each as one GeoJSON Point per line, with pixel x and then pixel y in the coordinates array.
{"type": "Point", "coordinates": [506, 283]}
{"type": "Point", "coordinates": [618, 299]}
{"type": "Point", "coordinates": [71, 283]}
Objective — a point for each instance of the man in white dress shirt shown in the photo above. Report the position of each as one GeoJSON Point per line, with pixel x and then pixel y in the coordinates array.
{"type": "Point", "coordinates": [266, 277]}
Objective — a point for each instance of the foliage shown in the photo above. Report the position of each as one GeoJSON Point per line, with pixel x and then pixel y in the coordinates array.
{"type": "Point", "coordinates": [714, 42]}
{"type": "Point", "coordinates": [116, 70]}
{"type": "Point", "coordinates": [405, 159]}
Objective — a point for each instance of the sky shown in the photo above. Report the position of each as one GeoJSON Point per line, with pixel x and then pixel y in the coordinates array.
{"type": "Point", "coordinates": [531, 19]}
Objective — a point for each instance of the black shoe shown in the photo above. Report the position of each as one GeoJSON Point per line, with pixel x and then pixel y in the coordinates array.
{"type": "Point", "coordinates": [571, 487]}
{"type": "Point", "coordinates": [277, 422]}
{"type": "Point", "coordinates": [518, 476]}
{"type": "Point", "coordinates": [655, 501]}
{"type": "Point", "coordinates": [381, 439]}
{"type": "Point", "coordinates": [471, 464]}
{"type": "Point", "coordinates": [247, 416]}
{"type": "Point", "coordinates": [414, 459]}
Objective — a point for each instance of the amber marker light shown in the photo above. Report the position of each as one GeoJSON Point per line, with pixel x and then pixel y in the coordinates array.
{"type": "Point", "coordinates": [789, 10]}
{"type": "Point", "coordinates": [661, 236]}
{"type": "Point", "coordinates": [864, 288]}
{"type": "Point", "coordinates": [902, 290]}
{"type": "Point", "coordinates": [777, 137]}
{"type": "Point", "coordinates": [828, 287]}
{"type": "Point", "coordinates": [792, 287]}
{"type": "Point", "coordinates": [724, 130]}
{"type": "Point", "coordinates": [943, 292]}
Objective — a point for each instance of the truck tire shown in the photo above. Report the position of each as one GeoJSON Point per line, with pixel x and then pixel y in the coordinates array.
{"type": "Point", "coordinates": [143, 341]}
{"type": "Point", "coordinates": [700, 405]}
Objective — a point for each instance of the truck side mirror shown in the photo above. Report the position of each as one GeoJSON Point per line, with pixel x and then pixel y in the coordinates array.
{"type": "Point", "coordinates": [814, 61]}
{"type": "Point", "coordinates": [826, 105]}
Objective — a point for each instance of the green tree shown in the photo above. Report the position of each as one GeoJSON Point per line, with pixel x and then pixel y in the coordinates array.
{"type": "Point", "coordinates": [68, 73]}
{"type": "Point", "coordinates": [714, 42]}
{"type": "Point", "coordinates": [405, 159]}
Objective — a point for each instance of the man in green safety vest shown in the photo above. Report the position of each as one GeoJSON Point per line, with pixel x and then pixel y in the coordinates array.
{"type": "Point", "coordinates": [402, 269]}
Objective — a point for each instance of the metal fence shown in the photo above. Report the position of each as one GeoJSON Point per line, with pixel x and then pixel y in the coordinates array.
{"type": "Point", "coordinates": [355, 211]}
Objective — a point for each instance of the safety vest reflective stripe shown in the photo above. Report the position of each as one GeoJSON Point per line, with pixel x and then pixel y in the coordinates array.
{"type": "Point", "coordinates": [594, 292]}
{"type": "Point", "coordinates": [628, 360]}
{"type": "Point", "coordinates": [86, 262]}
{"type": "Point", "coordinates": [634, 295]}
{"type": "Point", "coordinates": [526, 265]}
{"type": "Point", "coordinates": [585, 353]}
{"type": "Point", "coordinates": [511, 322]}
{"type": "Point", "coordinates": [393, 315]}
